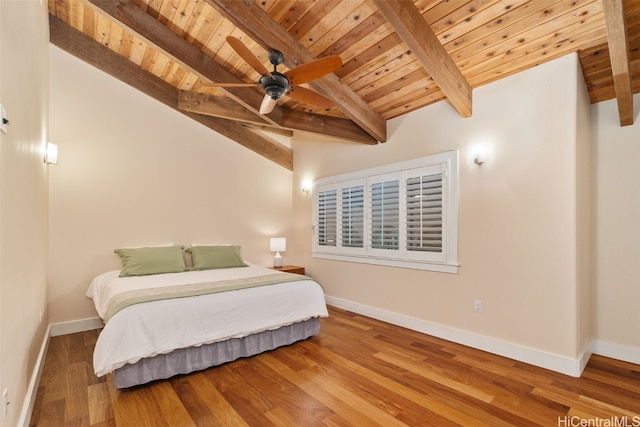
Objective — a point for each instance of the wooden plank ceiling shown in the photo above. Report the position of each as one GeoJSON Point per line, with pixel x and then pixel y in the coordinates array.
{"type": "Point", "coordinates": [397, 56]}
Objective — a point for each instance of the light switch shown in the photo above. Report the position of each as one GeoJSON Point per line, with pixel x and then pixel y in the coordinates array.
{"type": "Point", "coordinates": [3, 119]}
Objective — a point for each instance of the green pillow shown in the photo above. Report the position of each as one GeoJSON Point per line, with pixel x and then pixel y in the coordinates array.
{"type": "Point", "coordinates": [211, 257]}
{"type": "Point", "coordinates": [153, 260]}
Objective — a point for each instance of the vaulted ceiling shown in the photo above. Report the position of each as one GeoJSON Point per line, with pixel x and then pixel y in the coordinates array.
{"type": "Point", "coordinates": [397, 56]}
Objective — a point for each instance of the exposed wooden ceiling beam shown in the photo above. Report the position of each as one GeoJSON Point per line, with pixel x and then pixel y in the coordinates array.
{"type": "Point", "coordinates": [180, 50]}
{"type": "Point", "coordinates": [257, 24]}
{"type": "Point", "coordinates": [87, 49]}
{"type": "Point", "coordinates": [162, 38]}
{"type": "Point", "coordinates": [332, 126]}
{"type": "Point", "coordinates": [275, 130]}
{"type": "Point", "coordinates": [409, 24]}
{"type": "Point", "coordinates": [619, 56]}
{"type": "Point", "coordinates": [218, 106]}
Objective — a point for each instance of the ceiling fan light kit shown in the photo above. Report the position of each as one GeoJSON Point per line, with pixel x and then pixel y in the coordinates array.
{"type": "Point", "coordinates": [275, 87]}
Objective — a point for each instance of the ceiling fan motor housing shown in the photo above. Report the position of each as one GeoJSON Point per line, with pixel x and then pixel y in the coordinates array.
{"type": "Point", "coordinates": [275, 87]}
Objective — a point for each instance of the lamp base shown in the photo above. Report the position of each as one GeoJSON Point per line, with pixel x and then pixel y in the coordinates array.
{"type": "Point", "coordinates": [277, 260]}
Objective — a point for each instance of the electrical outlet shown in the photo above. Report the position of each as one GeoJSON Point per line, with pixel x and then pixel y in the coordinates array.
{"type": "Point", "coordinates": [477, 306]}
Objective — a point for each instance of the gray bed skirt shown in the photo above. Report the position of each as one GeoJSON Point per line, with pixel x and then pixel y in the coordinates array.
{"type": "Point", "coordinates": [186, 360]}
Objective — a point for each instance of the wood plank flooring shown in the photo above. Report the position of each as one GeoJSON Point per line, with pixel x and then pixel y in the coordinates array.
{"type": "Point", "coordinates": [357, 372]}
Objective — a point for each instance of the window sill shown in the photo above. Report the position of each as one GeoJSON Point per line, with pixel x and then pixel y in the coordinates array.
{"type": "Point", "coordinates": [415, 265]}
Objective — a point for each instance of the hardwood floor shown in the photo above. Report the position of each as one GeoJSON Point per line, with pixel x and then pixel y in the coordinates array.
{"type": "Point", "coordinates": [357, 372]}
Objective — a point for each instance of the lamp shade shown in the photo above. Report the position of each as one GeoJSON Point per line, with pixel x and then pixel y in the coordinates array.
{"type": "Point", "coordinates": [278, 244]}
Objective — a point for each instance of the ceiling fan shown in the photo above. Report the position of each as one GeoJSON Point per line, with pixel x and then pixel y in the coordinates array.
{"type": "Point", "coordinates": [276, 84]}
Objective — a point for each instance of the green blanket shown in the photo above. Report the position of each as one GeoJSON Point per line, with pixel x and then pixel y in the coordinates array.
{"type": "Point", "coordinates": [136, 296]}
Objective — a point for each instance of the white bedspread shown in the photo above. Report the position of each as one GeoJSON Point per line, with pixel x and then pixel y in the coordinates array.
{"type": "Point", "coordinates": [158, 327]}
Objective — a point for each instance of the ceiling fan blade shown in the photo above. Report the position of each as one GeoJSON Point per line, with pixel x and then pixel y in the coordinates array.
{"type": "Point", "coordinates": [310, 97]}
{"type": "Point", "coordinates": [248, 56]}
{"type": "Point", "coordinates": [228, 84]}
{"type": "Point", "coordinates": [268, 104]}
{"type": "Point", "coordinates": [314, 69]}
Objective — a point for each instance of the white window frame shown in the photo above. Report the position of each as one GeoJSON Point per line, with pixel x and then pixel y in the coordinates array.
{"type": "Point", "coordinates": [444, 261]}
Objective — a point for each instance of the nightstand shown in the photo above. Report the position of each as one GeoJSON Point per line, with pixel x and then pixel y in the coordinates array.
{"type": "Point", "coordinates": [290, 269]}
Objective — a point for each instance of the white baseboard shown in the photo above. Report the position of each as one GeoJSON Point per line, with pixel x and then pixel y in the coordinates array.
{"type": "Point", "coordinates": [616, 351]}
{"type": "Point", "coordinates": [64, 328]}
{"type": "Point", "coordinates": [554, 362]}
{"type": "Point", "coordinates": [32, 388]}
{"type": "Point", "coordinates": [53, 330]}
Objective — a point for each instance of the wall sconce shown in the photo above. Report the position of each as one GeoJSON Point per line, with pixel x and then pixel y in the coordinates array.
{"type": "Point", "coordinates": [277, 245]}
{"type": "Point", "coordinates": [481, 152]}
{"type": "Point", "coordinates": [51, 154]}
{"type": "Point", "coordinates": [478, 159]}
{"type": "Point", "coordinates": [307, 186]}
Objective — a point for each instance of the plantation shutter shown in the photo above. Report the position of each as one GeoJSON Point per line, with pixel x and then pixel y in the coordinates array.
{"type": "Point", "coordinates": [385, 215]}
{"type": "Point", "coordinates": [424, 214]}
{"type": "Point", "coordinates": [327, 217]}
{"type": "Point", "coordinates": [352, 218]}
{"type": "Point", "coordinates": [403, 215]}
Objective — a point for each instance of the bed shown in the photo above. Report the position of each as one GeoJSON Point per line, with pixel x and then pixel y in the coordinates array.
{"type": "Point", "coordinates": [173, 323]}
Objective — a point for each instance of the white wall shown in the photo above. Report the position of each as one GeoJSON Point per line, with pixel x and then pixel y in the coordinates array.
{"type": "Point", "coordinates": [134, 172]}
{"type": "Point", "coordinates": [584, 214]}
{"type": "Point", "coordinates": [518, 218]}
{"type": "Point", "coordinates": [525, 220]}
{"type": "Point", "coordinates": [23, 196]}
{"type": "Point", "coordinates": [616, 302]}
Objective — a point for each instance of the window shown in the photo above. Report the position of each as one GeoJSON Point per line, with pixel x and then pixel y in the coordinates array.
{"type": "Point", "coordinates": [385, 215]}
{"type": "Point", "coordinates": [403, 214]}
{"type": "Point", "coordinates": [352, 217]}
{"type": "Point", "coordinates": [326, 223]}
